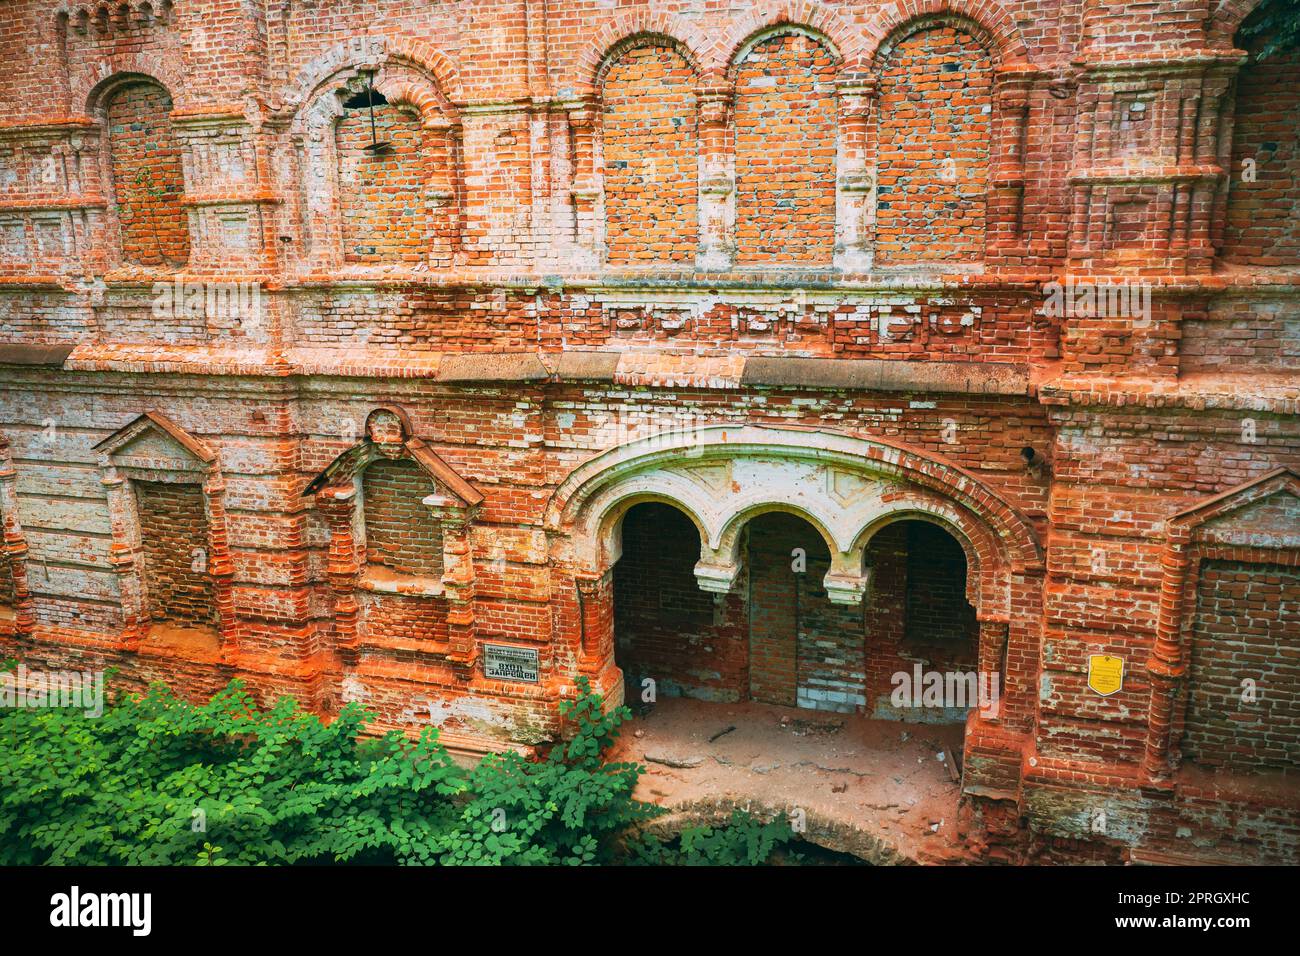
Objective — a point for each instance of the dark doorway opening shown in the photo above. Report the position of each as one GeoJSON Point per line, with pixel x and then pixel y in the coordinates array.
{"type": "Point", "coordinates": [688, 642]}
{"type": "Point", "coordinates": [918, 616]}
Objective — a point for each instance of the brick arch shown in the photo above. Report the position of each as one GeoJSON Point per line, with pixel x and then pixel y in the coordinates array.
{"type": "Point", "coordinates": [427, 58]}
{"type": "Point", "coordinates": [698, 468]}
{"type": "Point", "coordinates": [754, 509]}
{"type": "Point", "coordinates": [773, 18]}
{"type": "Point", "coordinates": [423, 99]}
{"type": "Point", "coordinates": [113, 74]}
{"type": "Point", "coordinates": [133, 206]}
{"type": "Point", "coordinates": [985, 563]}
{"type": "Point", "coordinates": [987, 20]}
{"type": "Point", "coordinates": [931, 216]}
{"type": "Point", "coordinates": [361, 53]}
{"type": "Point", "coordinates": [629, 30]}
{"type": "Point", "coordinates": [647, 211]}
{"type": "Point", "coordinates": [411, 87]}
{"type": "Point", "coordinates": [1226, 19]}
{"type": "Point", "coordinates": [313, 125]}
{"type": "Point", "coordinates": [611, 532]}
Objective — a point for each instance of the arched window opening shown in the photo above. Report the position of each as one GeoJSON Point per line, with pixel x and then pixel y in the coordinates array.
{"type": "Point", "coordinates": [148, 178]}
{"type": "Point", "coordinates": [785, 144]}
{"type": "Point", "coordinates": [666, 629]}
{"type": "Point", "coordinates": [936, 104]}
{"type": "Point", "coordinates": [651, 157]}
{"type": "Point", "coordinates": [388, 214]}
{"type": "Point", "coordinates": [919, 623]}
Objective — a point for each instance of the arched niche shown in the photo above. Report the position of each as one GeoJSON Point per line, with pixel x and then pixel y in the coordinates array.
{"type": "Point", "coordinates": [435, 159]}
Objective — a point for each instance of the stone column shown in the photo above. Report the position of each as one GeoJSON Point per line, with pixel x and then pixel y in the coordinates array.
{"type": "Point", "coordinates": [717, 182]}
{"type": "Point", "coordinates": [855, 175]}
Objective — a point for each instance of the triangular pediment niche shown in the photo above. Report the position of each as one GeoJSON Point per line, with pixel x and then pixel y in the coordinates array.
{"type": "Point", "coordinates": [154, 442]}
{"type": "Point", "coordinates": [1264, 513]}
{"type": "Point", "coordinates": [1272, 522]}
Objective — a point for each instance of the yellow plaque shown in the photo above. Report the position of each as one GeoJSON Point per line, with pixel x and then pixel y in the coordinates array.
{"type": "Point", "coordinates": [1105, 674]}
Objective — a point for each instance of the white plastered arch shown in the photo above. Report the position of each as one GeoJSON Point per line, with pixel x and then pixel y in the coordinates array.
{"type": "Point", "coordinates": [847, 487]}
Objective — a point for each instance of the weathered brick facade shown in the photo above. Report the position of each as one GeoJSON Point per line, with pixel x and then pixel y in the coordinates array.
{"type": "Point", "coordinates": [794, 271]}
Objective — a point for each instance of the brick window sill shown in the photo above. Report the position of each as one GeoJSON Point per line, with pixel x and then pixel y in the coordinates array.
{"type": "Point", "coordinates": [380, 580]}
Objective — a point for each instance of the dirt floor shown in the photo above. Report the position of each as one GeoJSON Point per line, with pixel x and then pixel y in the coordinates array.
{"type": "Point", "coordinates": [880, 790]}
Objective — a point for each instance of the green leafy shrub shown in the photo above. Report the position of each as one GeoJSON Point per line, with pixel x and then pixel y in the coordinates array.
{"type": "Point", "coordinates": [744, 841]}
{"type": "Point", "coordinates": [156, 780]}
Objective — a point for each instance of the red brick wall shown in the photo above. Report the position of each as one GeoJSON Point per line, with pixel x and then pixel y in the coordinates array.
{"type": "Point", "coordinates": [1247, 626]}
{"type": "Point", "coordinates": [147, 179]}
{"type": "Point", "coordinates": [173, 527]}
{"type": "Point", "coordinates": [665, 627]}
{"type": "Point", "coordinates": [1241, 335]}
{"type": "Point", "coordinates": [394, 618]}
{"type": "Point", "coordinates": [401, 534]}
{"type": "Point", "coordinates": [651, 157]}
{"type": "Point", "coordinates": [1263, 219]}
{"type": "Point", "coordinates": [886, 614]}
{"type": "Point", "coordinates": [806, 651]}
{"type": "Point", "coordinates": [386, 215]}
{"type": "Point", "coordinates": [774, 607]}
{"type": "Point", "coordinates": [935, 105]}
{"type": "Point", "coordinates": [785, 152]}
